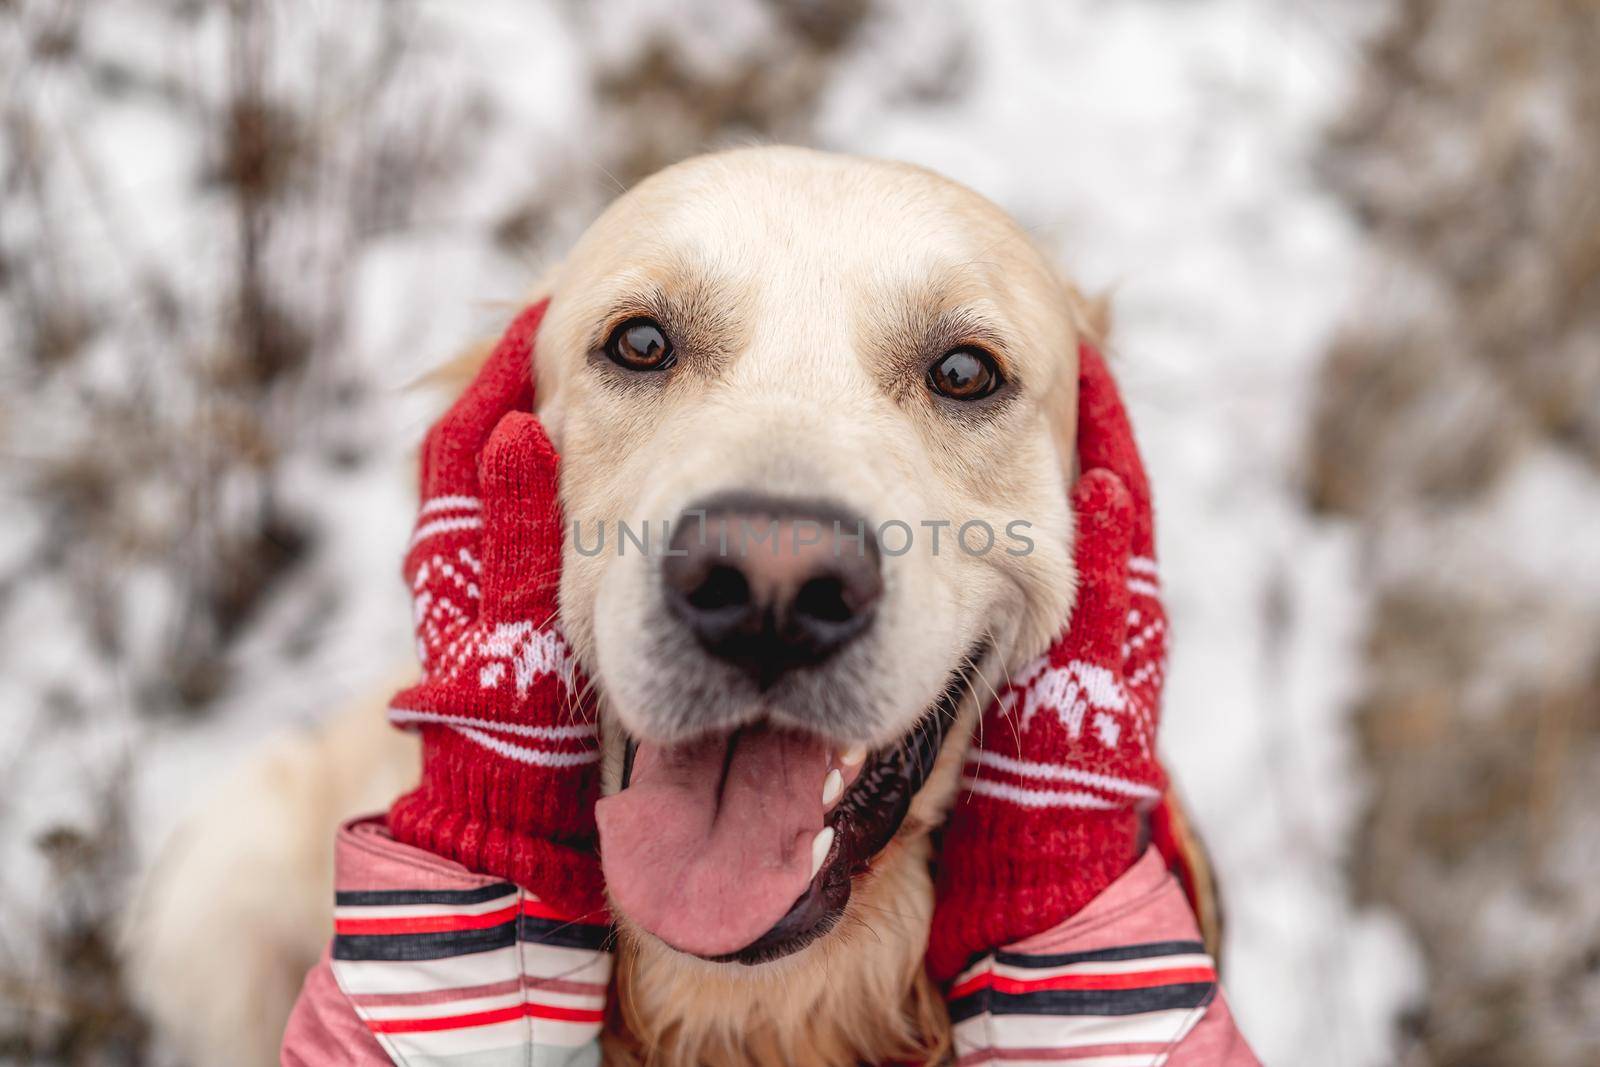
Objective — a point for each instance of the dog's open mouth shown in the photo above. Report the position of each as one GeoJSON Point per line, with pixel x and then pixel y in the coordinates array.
{"type": "Point", "coordinates": [740, 846]}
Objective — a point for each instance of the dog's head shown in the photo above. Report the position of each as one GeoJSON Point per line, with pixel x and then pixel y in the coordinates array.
{"type": "Point", "coordinates": [816, 417]}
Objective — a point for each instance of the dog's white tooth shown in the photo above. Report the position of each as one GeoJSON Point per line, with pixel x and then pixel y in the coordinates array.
{"type": "Point", "coordinates": [853, 755]}
{"type": "Point", "coordinates": [832, 787]}
{"type": "Point", "coordinates": [819, 849]}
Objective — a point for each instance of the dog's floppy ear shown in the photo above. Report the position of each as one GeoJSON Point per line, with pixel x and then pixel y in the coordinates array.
{"type": "Point", "coordinates": [1090, 314]}
{"type": "Point", "coordinates": [453, 376]}
{"type": "Point", "coordinates": [1091, 321]}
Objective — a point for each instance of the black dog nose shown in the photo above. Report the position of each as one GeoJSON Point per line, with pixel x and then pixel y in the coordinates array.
{"type": "Point", "coordinates": [771, 585]}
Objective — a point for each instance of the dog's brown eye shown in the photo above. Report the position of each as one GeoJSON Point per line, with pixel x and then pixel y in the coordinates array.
{"type": "Point", "coordinates": [639, 344]}
{"type": "Point", "coordinates": [965, 374]}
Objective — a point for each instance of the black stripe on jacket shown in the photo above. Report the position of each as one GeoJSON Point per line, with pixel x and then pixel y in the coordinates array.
{"type": "Point", "coordinates": [1084, 1001]}
{"type": "Point", "coordinates": [1103, 955]}
{"type": "Point", "coordinates": [431, 946]}
{"type": "Point", "coordinates": [454, 898]}
{"type": "Point", "coordinates": [562, 933]}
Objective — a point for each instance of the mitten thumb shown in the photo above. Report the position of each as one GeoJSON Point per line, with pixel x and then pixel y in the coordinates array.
{"type": "Point", "coordinates": [1105, 517]}
{"type": "Point", "coordinates": [520, 473]}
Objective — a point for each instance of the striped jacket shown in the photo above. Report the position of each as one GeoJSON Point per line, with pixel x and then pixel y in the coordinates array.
{"type": "Point", "coordinates": [432, 966]}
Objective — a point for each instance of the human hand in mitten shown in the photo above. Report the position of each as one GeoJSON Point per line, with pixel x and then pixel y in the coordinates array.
{"type": "Point", "coordinates": [510, 747]}
{"type": "Point", "coordinates": [1064, 760]}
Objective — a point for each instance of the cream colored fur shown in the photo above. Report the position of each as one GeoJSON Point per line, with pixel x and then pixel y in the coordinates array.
{"type": "Point", "coordinates": [810, 268]}
{"type": "Point", "coordinates": [239, 905]}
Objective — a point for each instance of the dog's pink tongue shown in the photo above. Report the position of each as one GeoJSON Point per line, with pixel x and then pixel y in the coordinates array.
{"type": "Point", "coordinates": [709, 859]}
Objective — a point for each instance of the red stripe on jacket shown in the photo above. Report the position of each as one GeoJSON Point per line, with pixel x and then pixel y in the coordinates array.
{"type": "Point", "coordinates": [485, 1018]}
{"type": "Point", "coordinates": [1122, 980]}
{"type": "Point", "coordinates": [425, 924]}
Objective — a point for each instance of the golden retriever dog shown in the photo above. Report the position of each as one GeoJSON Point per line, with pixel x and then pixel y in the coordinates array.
{"type": "Point", "coordinates": [879, 367]}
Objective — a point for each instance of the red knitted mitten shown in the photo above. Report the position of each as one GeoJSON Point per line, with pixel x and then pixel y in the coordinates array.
{"type": "Point", "coordinates": [1065, 758]}
{"type": "Point", "coordinates": [509, 745]}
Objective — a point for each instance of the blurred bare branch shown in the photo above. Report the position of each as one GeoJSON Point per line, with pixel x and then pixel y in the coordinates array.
{"type": "Point", "coordinates": [1464, 395]}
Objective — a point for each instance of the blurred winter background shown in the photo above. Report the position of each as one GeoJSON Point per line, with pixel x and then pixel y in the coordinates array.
{"type": "Point", "coordinates": [1355, 254]}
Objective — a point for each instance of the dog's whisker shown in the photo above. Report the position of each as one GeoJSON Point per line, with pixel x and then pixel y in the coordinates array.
{"type": "Point", "coordinates": [862, 924]}
{"type": "Point", "coordinates": [892, 913]}
{"type": "Point", "coordinates": [979, 676]}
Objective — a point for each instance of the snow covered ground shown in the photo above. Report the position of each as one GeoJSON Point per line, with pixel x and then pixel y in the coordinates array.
{"type": "Point", "coordinates": [1161, 149]}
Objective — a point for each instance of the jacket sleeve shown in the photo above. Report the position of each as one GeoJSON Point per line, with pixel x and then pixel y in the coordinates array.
{"type": "Point", "coordinates": [431, 963]}
{"type": "Point", "coordinates": [1127, 977]}
{"type": "Point", "coordinates": [324, 1030]}
{"type": "Point", "coordinates": [1214, 1042]}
